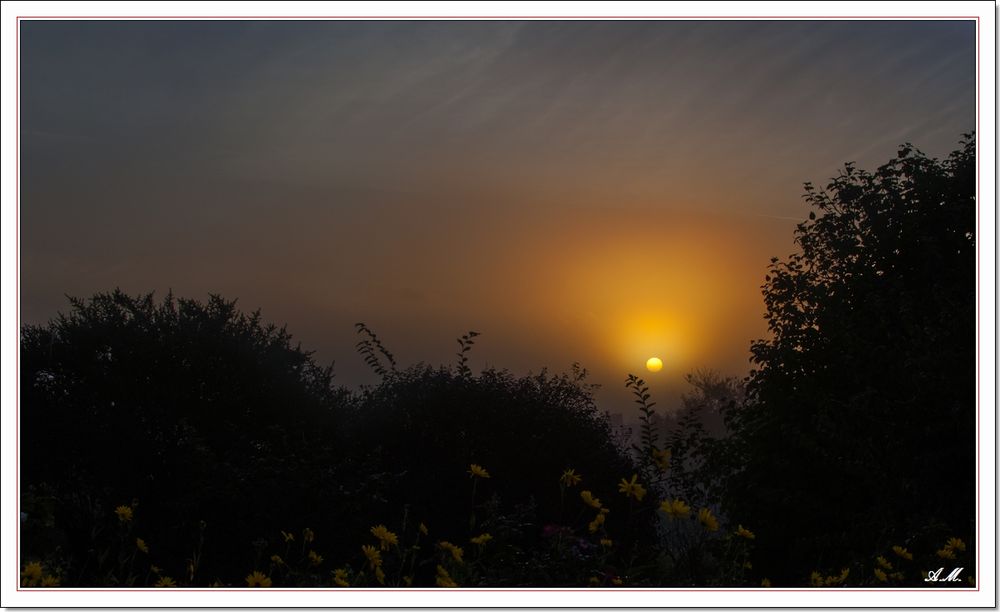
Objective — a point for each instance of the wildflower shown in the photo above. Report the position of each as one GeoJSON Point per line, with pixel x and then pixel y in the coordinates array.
{"type": "Point", "coordinates": [747, 565]}
{"type": "Point", "coordinates": [662, 458]}
{"type": "Point", "coordinates": [589, 499]}
{"type": "Point", "coordinates": [423, 528]}
{"type": "Point", "coordinates": [816, 579]}
{"type": "Point", "coordinates": [896, 576]}
{"type": "Point", "coordinates": [839, 579]}
{"type": "Point", "coordinates": [902, 552]}
{"type": "Point", "coordinates": [340, 578]}
{"type": "Point", "coordinates": [455, 551]}
{"type": "Point", "coordinates": [373, 555]}
{"type": "Point", "coordinates": [385, 537]}
{"type": "Point", "coordinates": [444, 579]}
{"type": "Point", "coordinates": [289, 537]}
{"type": "Point", "coordinates": [765, 583]}
{"type": "Point", "coordinates": [616, 581]}
{"type": "Point", "coordinates": [594, 581]}
{"type": "Point", "coordinates": [743, 532]}
{"type": "Point", "coordinates": [379, 575]}
{"type": "Point", "coordinates": [165, 582]}
{"type": "Point", "coordinates": [481, 539]}
{"type": "Point", "coordinates": [705, 518]}
{"type": "Point", "coordinates": [946, 553]}
{"type": "Point", "coordinates": [141, 545]}
{"type": "Point", "coordinates": [315, 558]}
{"type": "Point", "coordinates": [155, 569]}
{"type": "Point", "coordinates": [478, 471]}
{"type": "Point", "coordinates": [606, 543]}
{"type": "Point", "coordinates": [883, 562]}
{"type": "Point", "coordinates": [570, 478]}
{"type": "Point", "coordinates": [632, 488]}
{"type": "Point", "coordinates": [50, 581]}
{"type": "Point", "coordinates": [31, 574]}
{"type": "Point", "coordinates": [956, 544]}
{"type": "Point", "coordinates": [124, 513]}
{"type": "Point", "coordinates": [258, 579]}
{"type": "Point", "coordinates": [596, 523]}
{"type": "Point", "coordinates": [675, 509]}
{"type": "Point", "coordinates": [308, 535]}
{"type": "Point", "coordinates": [277, 560]}
{"type": "Point", "coordinates": [880, 574]}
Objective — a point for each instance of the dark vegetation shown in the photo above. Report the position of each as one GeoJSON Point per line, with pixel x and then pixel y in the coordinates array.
{"type": "Point", "coordinates": [222, 445]}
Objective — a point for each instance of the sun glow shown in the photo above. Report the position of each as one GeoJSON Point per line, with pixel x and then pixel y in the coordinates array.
{"type": "Point", "coordinates": [654, 364]}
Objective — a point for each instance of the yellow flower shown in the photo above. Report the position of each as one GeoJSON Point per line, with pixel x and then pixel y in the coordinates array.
{"type": "Point", "coordinates": [632, 488]}
{"type": "Point", "coordinates": [478, 471]}
{"type": "Point", "coordinates": [455, 551]}
{"type": "Point", "coordinates": [315, 558]}
{"type": "Point", "coordinates": [155, 569]}
{"type": "Point", "coordinates": [594, 581]}
{"type": "Point", "coordinates": [277, 560]}
{"type": "Point", "coordinates": [946, 553]}
{"type": "Point", "coordinates": [765, 583]}
{"type": "Point", "coordinates": [607, 543]}
{"type": "Point", "coordinates": [289, 537]}
{"type": "Point", "coordinates": [835, 580]}
{"type": "Point", "coordinates": [258, 579]}
{"type": "Point", "coordinates": [423, 528]}
{"type": "Point", "coordinates": [675, 508]}
{"type": "Point", "coordinates": [956, 544]}
{"type": "Point", "coordinates": [589, 499]}
{"type": "Point", "coordinates": [141, 545]}
{"type": "Point", "coordinates": [616, 581]}
{"type": "Point", "coordinates": [165, 582]}
{"type": "Point", "coordinates": [902, 552]}
{"type": "Point", "coordinates": [50, 581]}
{"type": "Point", "coordinates": [570, 478]}
{"type": "Point", "coordinates": [747, 565]}
{"type": "Point", "coordinates": [31, 574]}
{"type": "Point", "coordinates": [481, 539]}
{"type": "Point", "coordinates": [444, 579]}
{"type": "Point", "coordinates": [883, 562]}
{"type": "Point", "coordinates": [816, 579]}
{"type": "Point", "coordinates": [896, 576]}
{"type": "Point", "coordinates": [340, 578]}
{"type": "Point", "coordinates": [662, 458]}
{"type": "Point", "coordinates": [373, 555]}
{"type": "Point", "coordinates": [124, 513]}
{"type": "Point", "coordinates": [705, 518]}
{"type": "Point", "coordinates": [379, 575]}
{"type": "Point", "coordinates": [596, 523]}
{"type": "Point", "coordinates": [308, 535]}
{"type": "Point", "coordinates": [880, 575]}
{"type": "Point", "coordinates": [385, 537]}
{"type": "Point", "coordinates": [743, 532]}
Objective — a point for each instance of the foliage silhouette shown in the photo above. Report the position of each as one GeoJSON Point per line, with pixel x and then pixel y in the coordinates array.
{"type": "Point", "coordinates": [858, 429]}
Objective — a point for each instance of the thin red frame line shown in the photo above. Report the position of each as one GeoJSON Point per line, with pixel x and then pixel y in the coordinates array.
{"type": "Point", "coordinates": [504, 17]}
{"type": "Point", "coordinates": [17, 310]}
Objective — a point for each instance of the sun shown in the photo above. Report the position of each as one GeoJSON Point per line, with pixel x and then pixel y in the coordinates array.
{"type": "Point", "coordinates": [653, 364]}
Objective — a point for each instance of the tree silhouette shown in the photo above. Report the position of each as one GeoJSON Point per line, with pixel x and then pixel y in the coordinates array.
{"type": "Point", "coordinates": [858, 429]}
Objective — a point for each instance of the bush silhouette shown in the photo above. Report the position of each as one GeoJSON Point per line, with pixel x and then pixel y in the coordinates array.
{"type": "Point", "coordinates": [858, 430]}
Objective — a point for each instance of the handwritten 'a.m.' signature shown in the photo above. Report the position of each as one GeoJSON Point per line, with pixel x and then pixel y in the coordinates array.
{"type": "Point", "coordinates": [935, 575]}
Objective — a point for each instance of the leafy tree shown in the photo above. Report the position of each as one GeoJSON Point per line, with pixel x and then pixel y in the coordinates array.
{"type": "Point", "coordinates": [858, 429]}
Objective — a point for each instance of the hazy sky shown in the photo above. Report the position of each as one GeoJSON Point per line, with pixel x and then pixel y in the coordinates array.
{"type": "Point", "coordinates": [586, 191]}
